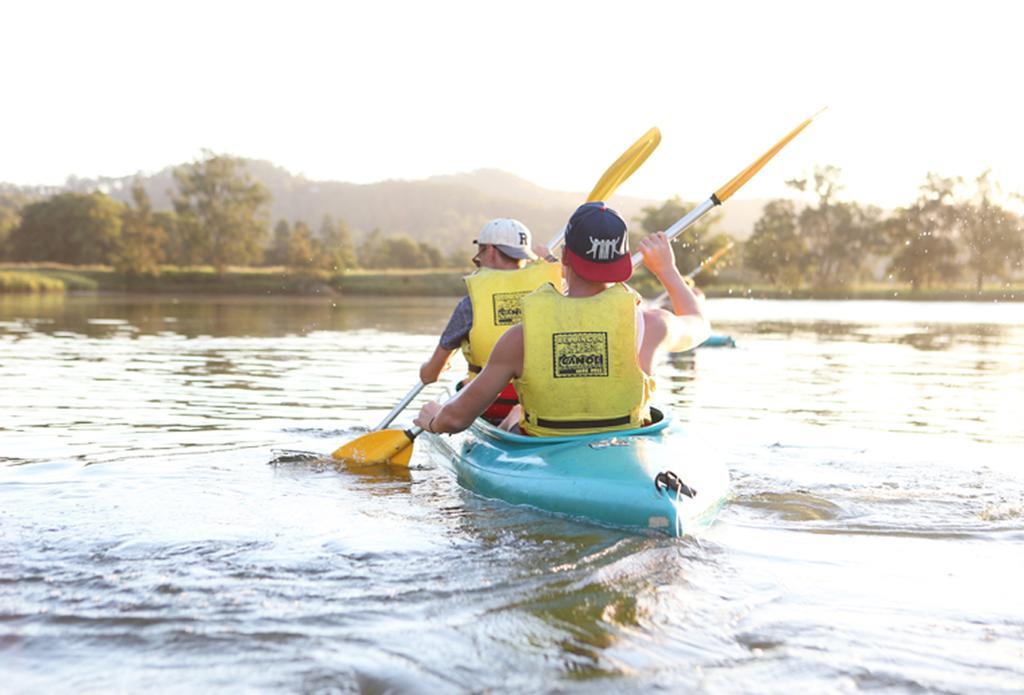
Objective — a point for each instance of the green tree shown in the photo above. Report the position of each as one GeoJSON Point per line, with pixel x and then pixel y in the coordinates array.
{"type": "Point", "coordinates": [371, 251]}
{"type": "Point", "coordinates": [11, 204]}
{"type": "Point", "coordinates": [277, 254]}
{"type": "Point", "coordinates": [400, 251]}
{"type": "Point", "coordinates": [923, 235]}
{"type": "Point", "coordinates": [432, 257]}
{"type": "Point", "coordinates": [140, 247]}
{"type": "Point", "coordinates": [68, 228]}
{"type": "Point", "coordinates": [459, 257]}
{"type": "Point", "coordinates": [167, 221]}
{"type": "Point", "coordinates": [841, 237]}
{"type": "Point", "coordinates": [775, 248]}
{"type": "Point", "coordinates": [403, 252]}
{"type": "Point", "coordinates": [222, 212]}
{"type": "Point", "coordinates": [336, 252]}
{"type": "Point", "coordinates": [990, 234]}
{"type": "Point", "coordinates": [301, 253]}
{"type": "Point", "coordinates": [1017, 258]}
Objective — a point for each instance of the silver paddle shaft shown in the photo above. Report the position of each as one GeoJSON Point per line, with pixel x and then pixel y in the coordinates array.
{"type": "Point", "coordinates": [413, 392]}
{"type": "Point", "coordinates": [681, 225]}
{"type": "Point", "coordinates": [672, 232]}
{"type": "Point", "coordinates": [553, 244]}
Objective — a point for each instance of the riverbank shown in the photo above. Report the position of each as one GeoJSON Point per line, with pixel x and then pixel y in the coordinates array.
{"type": "Point", "coordinates": [235, 281]}
{"type": "Point", "coordinates": [28, 278]}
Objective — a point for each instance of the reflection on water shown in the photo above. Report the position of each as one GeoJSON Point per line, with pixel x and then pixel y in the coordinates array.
{"type": "Point", "coordinates": [193, 316]}
{"type": "Point", "coordinates": [877, 525]}
{"type": "Point", "coordinates": [794, 506]}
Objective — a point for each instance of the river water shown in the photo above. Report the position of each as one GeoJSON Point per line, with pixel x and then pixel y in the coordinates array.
{"type": "Point", "coordinates": [157, 533]}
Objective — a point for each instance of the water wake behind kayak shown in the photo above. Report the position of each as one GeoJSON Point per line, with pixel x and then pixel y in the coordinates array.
{"type": "Point", "coordinates": [873, 540]}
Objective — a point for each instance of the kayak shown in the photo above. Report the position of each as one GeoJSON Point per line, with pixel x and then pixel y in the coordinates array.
{"type": "Point", "coordinates": [718, 340]}
{"type": "Point", "coordinates": [715, 340]}
{"type": "Point", "coordinates": [658, 477]}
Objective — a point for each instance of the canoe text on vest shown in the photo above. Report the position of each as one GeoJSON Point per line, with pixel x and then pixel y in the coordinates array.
{"type": "Point", "coordinates": [508, 308]}
{"type": "Point", "coordinates": [580, 354]}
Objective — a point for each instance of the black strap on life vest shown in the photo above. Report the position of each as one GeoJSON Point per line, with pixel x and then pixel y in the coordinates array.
{"type": "Point", "coordinates": [506, 401]}
{"type": "Point", "coordinates": [578, 424]}
{"type": "Point", "coordinates": [667, 480]}
{"type": "Point", "coordinates": [475, 369]}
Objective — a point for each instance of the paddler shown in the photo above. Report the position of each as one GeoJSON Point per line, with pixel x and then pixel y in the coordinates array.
{"type": "Point", "coordinates": [582, 362]}
{"type": "Point", "coordinates": [508, 270]}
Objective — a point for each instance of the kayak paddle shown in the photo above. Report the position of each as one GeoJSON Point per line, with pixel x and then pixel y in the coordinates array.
{"type": "Point", "coordinates": [620, 170]}
{"type": "Point", "coordinates": [413, 392]}
{"type": "Point", "coordinates": [384, 446]}
{"type": "Point", "coordinates": [393, 446]}
{"type": "Point", "coordinates": [726, 191]}
{"type": "Point", "coordinates": [710, 261]}
{"type": "Point", "coordinates": [706, 263]}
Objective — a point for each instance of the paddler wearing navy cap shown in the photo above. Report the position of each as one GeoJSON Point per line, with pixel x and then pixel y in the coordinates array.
{"type": "Point", "coordinates": [582, 361]}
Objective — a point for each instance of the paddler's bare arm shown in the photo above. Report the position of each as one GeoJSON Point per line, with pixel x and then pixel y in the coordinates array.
{"type": "Point", "coordinates": [504, 364]}
{"type": "Point", "coordinates": [431, 370]}
{"type": "Point", "coordinates": [685, 326]}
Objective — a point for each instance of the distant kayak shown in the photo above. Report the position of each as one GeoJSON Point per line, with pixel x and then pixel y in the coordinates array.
{"type": "Point", "coordinates": [658, 477]}
{"type": "Point", "coordinates": [718, 340]}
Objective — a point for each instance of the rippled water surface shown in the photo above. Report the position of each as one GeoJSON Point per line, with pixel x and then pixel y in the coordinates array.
{"type": "Point", "coordinates": [155, 531]}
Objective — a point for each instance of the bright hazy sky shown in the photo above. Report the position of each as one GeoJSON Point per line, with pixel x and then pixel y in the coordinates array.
{"type": "Point", "coordinates": [552, 91]}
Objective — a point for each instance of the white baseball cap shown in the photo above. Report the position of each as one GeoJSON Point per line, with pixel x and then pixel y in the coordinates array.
{"type": "Point", "coordinates": [510, 236]}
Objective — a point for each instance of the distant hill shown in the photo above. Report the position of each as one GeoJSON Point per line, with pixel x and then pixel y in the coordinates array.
{"type": "Point", "coordinates": [446, 210]}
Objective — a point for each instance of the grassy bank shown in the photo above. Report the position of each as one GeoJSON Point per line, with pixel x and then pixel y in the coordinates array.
{"type": "Point", "coordinates": [414, 283]}
{"type": "Point", "coordinates": [236, 281]}
{"type": "Point", "coordinates": [18, 282]}
{"type": "Point", "coordinates": [650, 287]}
{"type": "Point", "coordinates": [950, 294]}
{"type": "Point", "coordinates": [174, 280]}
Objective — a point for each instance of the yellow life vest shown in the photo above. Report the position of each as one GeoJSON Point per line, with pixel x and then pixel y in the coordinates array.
{"type": "Point", "coordinates": [496, 296]}
{"type": "Point", "coordinates": [580, 370]}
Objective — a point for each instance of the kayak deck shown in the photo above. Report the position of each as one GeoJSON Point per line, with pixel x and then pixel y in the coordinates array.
{"type": "Point", "coordinates": [607, 478]}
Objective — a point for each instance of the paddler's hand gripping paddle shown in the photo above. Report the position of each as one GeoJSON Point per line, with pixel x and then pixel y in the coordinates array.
{"type": "Point", "coordinates": [394, 446]}
{"type": "Point", "coordinates": [620, 170]}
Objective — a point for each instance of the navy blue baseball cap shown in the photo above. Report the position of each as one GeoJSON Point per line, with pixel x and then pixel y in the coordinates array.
{"type": "Point", "coordinates": [596, 244]}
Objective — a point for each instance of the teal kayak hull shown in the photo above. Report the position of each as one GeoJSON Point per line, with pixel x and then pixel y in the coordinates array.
{"type": "Point", "coordinates": [609, 479]}
{"type": "Point", "coordinates": [718, 340]}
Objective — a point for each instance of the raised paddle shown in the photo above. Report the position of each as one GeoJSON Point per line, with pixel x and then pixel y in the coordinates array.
{"type": "Point", "coordinates": [620, 170]}
{"type": "Point", "coordinates": [394, 446]}
{"type": "Point", "coordinates": [710, 261]}
{"type": "Point", "coordinates": [733, 185]}
{"type": "Point", "coordinates": [706, 263]}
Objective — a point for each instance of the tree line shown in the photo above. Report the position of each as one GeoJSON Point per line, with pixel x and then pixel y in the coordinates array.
{"type": "Point", "coordinates": [219, 218]}
{"type": "Point", "coordinates": [956, 229]}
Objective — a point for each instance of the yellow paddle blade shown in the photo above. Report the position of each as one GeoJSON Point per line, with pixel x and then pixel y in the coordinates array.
{"type": "Point", "coordinates": [383, 446]}
{"type": "Point", "coordinates": [402, 457]}
{"type": "Point", "coordinates": [623, 167]}
{"type": "Point", "coordinates": [723, 193]}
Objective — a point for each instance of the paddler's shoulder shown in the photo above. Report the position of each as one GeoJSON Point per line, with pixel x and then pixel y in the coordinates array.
{"type": "Point", "coordinates": [507, 354]}
{"type": "Point", "coordinates": [512, 337]}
